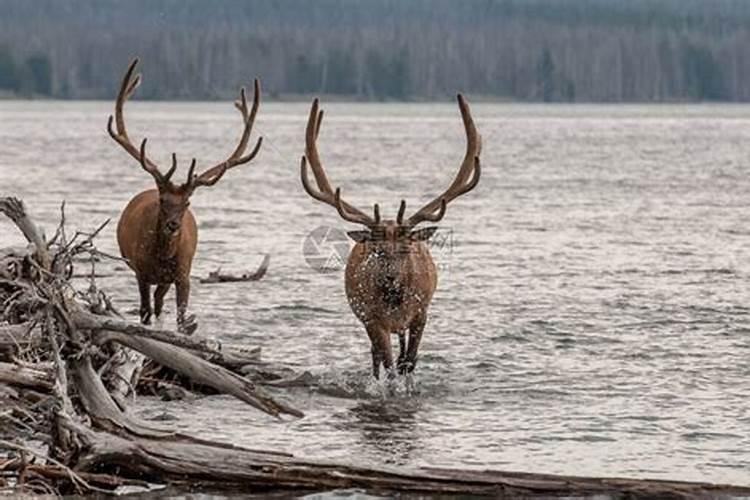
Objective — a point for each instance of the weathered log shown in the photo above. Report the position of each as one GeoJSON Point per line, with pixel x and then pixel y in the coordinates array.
{"type": "Point", "coordinates": [124, 371]}
{"type": "Point", "coordinates": [102, 408]}
{"type": "Point", "coordinates": [230, 467]}
{"type": "Point", "coordinates": [16, 212]}
{"type": "Point", "coordinates": [201, 371]}
{"type": "Point", "coordinates": [218, 277]}
{"type": "Point", "coordinates": [14, 375]}
{"type": "Point", "coordinates": [55, 472]}
{"type": "Point", "coordinates": [234, 356]}
{"type": "Point", "coordinates": [88, 321]}
{"type": "Point", "coordinates": [231, 356]}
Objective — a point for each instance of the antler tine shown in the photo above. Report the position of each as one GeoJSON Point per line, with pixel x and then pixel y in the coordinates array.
{"type": "Point", "coordinates": [127, 87]}
{"type": "Point", "coordinates": [436, 216]}
{"type": "Point", "coordinates": [191, 171]}
{"type": "Point", "coordinates": [171, 170]}
{"type": "Point", "coordinates": [213, 174]}
{"type": "Point", "coordinates": [252, 153]}
{"type": "Point", "coordinates": [158, 177]}
{"type": "Point", "coordinates": [120, 135]}
{"type": "Point", "coordinates": [198, 181]}
{"type": "Point", "coordinates": [401, 211]}
{"type": "Point", "coordinates": [318, 123]}
{"type": "Point", "coordinates": [318, 195]}
{"type": "Point", "coordinates": [324, 191]}
{"type": "Point", "coordinates": [241, 103]}
{"type": "Point", "coordinates": [133, 86]}
{"type": "Point", "coordinates": [357, 218]}
{"type": "Point", "coordinates": [311, 149]}
{"type": "Point", "coordinates": [475, 178]}
{"type": "Point", "coordinates": [468, 174]}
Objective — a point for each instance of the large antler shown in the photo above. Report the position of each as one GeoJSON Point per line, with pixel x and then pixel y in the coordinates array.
{"type": "Point", "coordinates": [211, 176]}
{"type": "Point", "coordinates": [130, 82]}
{"type": "Point", "coordinates": [466, 179]}
{"type": "Point", "coordinates": [325, 193]}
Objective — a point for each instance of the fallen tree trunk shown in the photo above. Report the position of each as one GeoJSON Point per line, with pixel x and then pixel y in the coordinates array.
{"type": "Point", "coordinates": [231, 467]}
{"type": "Point", "coordinates": [200, 371]}
{"type": "Point", "coordinates": [15, 375]}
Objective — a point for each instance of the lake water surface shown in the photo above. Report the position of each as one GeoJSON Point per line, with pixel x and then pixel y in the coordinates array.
{"type": "Point", "coordinates": [593, 310]}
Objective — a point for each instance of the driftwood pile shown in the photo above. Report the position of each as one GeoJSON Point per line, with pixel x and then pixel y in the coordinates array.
{"type": "Point", "coordinates": [69, 366]}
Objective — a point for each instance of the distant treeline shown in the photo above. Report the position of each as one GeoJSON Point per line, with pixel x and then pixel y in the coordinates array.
{"type": "Point", "coordinates": [539, 50]}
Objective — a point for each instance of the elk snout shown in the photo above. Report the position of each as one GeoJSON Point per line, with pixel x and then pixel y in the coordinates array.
{"type": "Point", "coordinates": [172, 226]}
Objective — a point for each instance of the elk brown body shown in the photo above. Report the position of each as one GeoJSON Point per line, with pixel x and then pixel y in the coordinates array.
{"type": "Point", "coordinates": [157, 233]}
{"type": "Point", "coordinates": [390, 275]}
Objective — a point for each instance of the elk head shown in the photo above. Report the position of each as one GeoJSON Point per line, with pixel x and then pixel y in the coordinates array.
{"type": "Point", "coordinates": [174, 199]}
{"type": "Point", "coordinates": [390, 238]}
{"type": "Point", "coordinates": [390, 276]}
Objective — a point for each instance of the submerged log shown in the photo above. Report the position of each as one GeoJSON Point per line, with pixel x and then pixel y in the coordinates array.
{"type": "Point", "coordinates": [218, 277]}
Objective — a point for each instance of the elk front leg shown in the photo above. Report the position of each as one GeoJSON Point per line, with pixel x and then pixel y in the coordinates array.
{"type": "Point", "coordinates": [161, 291]}
{"type": "Point", "coordinates": [401, 348]}
{"type": "Point", "coordinates": [381, 351]}
{"type": "Point", "coordinates": [415, 336]}
{"type": "Point", "coordinates": [145, 311]}
{"type": "Point", "coordinates": [185, 324]}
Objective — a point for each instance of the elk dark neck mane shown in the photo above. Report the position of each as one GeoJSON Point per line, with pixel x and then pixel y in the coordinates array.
{"type": "Point", "coordinates": [391, 292]}
{"type": "Point", "coordinates": [394, 277]}
{"type": "Point", "coordinates": [165, 246]}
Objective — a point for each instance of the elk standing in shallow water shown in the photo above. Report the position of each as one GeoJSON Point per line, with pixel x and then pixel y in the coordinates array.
{"type": "Point", "coordinates": [157, 233]}
{"type": "Point", "coordinates": [390, 275]}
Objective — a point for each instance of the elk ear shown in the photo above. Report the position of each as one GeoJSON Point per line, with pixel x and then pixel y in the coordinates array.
{"type": "Point", "coordinates": [360, 236]}
{"type": "Point", "coordinates": [423, 234]}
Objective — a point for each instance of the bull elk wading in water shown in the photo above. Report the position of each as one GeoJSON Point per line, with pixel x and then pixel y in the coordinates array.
{"type": "Point", "coordinates": [390, 275]}
{"type": "Point", "coordinates": [157, 233]}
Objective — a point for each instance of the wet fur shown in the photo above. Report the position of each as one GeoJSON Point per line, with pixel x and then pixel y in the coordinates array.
{"type": "Point", "coordinates": [391, 296]}
{"type": "Point", "coordinates": [156, 258]}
